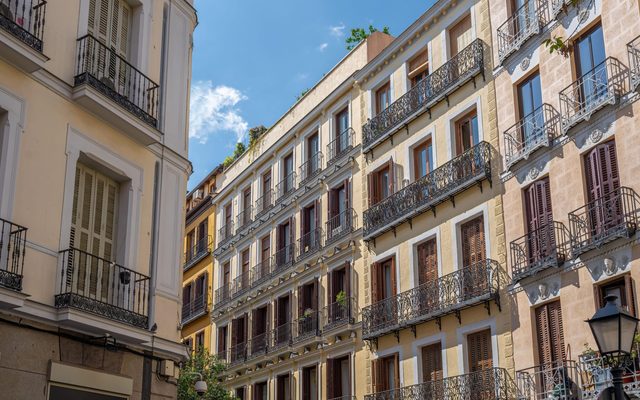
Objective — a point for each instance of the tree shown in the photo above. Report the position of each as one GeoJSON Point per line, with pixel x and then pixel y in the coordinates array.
{"type": "Point", "coordinates": [212, 370]}
{"type": "Point", "coordinates": [239, 150]}
{"type": "Point", "coordinates": [255, 133]}
{"type": "Point", "coordinates": [360, 34]}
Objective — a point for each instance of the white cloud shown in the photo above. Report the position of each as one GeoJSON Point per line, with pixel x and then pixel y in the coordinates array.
{"type": "Point", "coordinates": [337, 31]}
{"type": "Point", "coordinates": [302, 76]}
{"type": "Point", "coordinates": [213, 110]}
{"type": "Point", "coordinates": [323, 47]}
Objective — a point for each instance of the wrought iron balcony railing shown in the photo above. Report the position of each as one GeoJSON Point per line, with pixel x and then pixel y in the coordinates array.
{"type": "Point", "coordinates": [595, 374]}
{"type": "Point", "coordinates": [281, 337]}
{"type": "Point", "coordinates": [311, 168]}
{"type": "Point", "coordinates": [244, 218]}
{"type": "Point", "coordinates": [285, 187]}
{"type": "Point", "coordinates": [615, 215]}
{"type": "Point", "coordinates": [633, 50]}
{"type": "Point", "coordinates": [345, 397]}
{"type": "Point", "coordinates": [535, 130]}
{"type": "Point", "coordinates": [283, 258]}
{"type": "Point", "coordinates": [471, 285]}
{"type": "Point", "coordinates": [603, 85]}
{"type": "Point", "coordinates": [99, 286]}
{"type": "Point", "coordinates": [222, 294]}
{"type": "Point", "coordinates": [340, 313]}
{"type": "Point", "coordinates": [556, 380]}
{"type": "Point", "coordinates": [258, 344]}
{"type": "Point", "coordinates": [461, 68]}
{"type": "Point", "coordinates": [225, 233]}
{"type": "Point", "coordinates": [241, 284]}
{"type": "Point", "coordinates": [546, 247]}
{"type": "Point", "coordinates": [24, 19]}
{"type": "Point", "coordinates": [197, 252]}
{"type": "Point", "coordinates": [488, 384]}
{"type": "Point", "coordinates": [194, 309]}
{"type": "Point", "coordinates": [310, 243]}
{"type": "Point", "coordinates": [472, 166]}
{"type": "Point", "coordinates": [260, 273]}
{"type": "Point", "coordinates": [523, 24]}
{"type": "Point", "coordinates": [223, 356]}
{"type": "Point", "coordinates": [308, 325]}
{"type": "Point", "coordinates": [238, 353]}
{"type": "Point", "coordinates": [105, 70]}
{"type": "Point", "coordinates": [13, 239]}
{"type": "Point", "coordinates": [557, 6]}
{"type": "Point", "coordinates": [340, 146]}
{"type": "Point", "coordinates": [340, 225]}
{"type": "Point", "coordinates": [264, 203]}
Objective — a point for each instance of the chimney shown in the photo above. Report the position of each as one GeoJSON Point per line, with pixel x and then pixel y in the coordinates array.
{"type": "Point", "coordinates": [376, 42]}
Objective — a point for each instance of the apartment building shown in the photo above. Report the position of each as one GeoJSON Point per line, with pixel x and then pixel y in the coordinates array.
{"type": "Point", "coordinates": [435, 314]}
{"type": "Point", "coordinates": [288, 248]}
{"type": "Point", "coordinates": [197, 293]}
{"type": "Point", "coordinates": [568, 134]}
{"type": "Point", "coordinates": [93, 170]}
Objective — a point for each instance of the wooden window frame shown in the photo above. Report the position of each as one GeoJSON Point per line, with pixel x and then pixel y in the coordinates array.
{"type": "Point", "coordinates": [385, 87]}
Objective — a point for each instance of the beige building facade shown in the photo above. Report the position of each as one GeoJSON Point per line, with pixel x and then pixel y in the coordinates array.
{"type": "Point", "coordinates": [93, 170]}
{"type": "Point", "coordinates": [567, 123]}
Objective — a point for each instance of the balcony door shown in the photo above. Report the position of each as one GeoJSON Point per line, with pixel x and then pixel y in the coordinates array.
{"type": "Point", "coordinates": [590, 67]}
{"type": "Point", "coordinates": [202, 236]}
{"type": "Point", "coordinates": [339, 211]}
{"type": "Point", "coordinates": [226, 279]}
{"type": "Point", "coordinates": [308, 308]}
{"type": "Point", "coordinates": [310, 383]}
{"type": "Point", "coordinates": [239, 333]}
{"type": "Point", "coordinates": [541, 235]}
{"type": "Point", "coordinates": [475, 277]}
{"type": "Point", "coordinates": [431, 363]}
{"type": "Point", "coordinates": [386, 373]}
{"type": "Point", "coordinates": [341, 134]}
{"type": "Point", "coordinates": [244, 270]}
{"type": "Point", "coordinates": [313, 161]}
{"type": "Point", "coordinates": [339, 378]}
{"type": "Point", "coordinates": [467, 134]}
{"type": "Point", "coordinates": [383, 97]}
{"type": "Point", "coordinates": [283, 387]}
{"type": "Point", "coordinates": [340, 282]}
{"type": "Point", "coordinates": [529, 100]}
{"type": "Point", "coordinates": [422, 159]}
{"type": "Point", "coordinates": [287, 174]}
{"type": "Point", "coordinates": [309, 232]}
{"type": "Point", "coordinates": [259, 329]}
{"type": "Point", "coordinates": [550, 344]}
{"type": "Point", "coordinates": [93, 230]}
{"type": "Point", "coordinates": [601, 171]}
{"type": "Point", "coordinates": [480, 361]}
{"type": "Point", "coordinates": [285, 243]}
{"type": "Point", "coordinates": [266, 190]}
{"type": "Point", "coordinates": [429, 292]}
{"type": "Point", "coordinates": [246, 206]}
{"type": "Point", "coordinates": [260, 391]}
{"type": "Point", "coordinates": [383, 292]}
{"type": "Point", "coordinates": [460, 35]}
{"type": "Point", "coordinates": [283, 311]}
{"type": "Point", "coordinates": [265, 254]}
{"type": "Point", "coordinates": [222, 342]}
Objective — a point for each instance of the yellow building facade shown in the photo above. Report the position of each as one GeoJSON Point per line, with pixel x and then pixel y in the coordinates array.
{"type": "Point", "coordinates": [93, 168]}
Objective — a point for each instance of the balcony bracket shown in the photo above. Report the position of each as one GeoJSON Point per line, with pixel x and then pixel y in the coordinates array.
{"type": "Point", "coordinates": [396, 333]}
{"type": "Point", "coordinates": [410, 221]}
{"type": "Point", "coordinates": [406, 127]}
{"type": "Point", "coordinates": [446, 97]}
{"type": "Point", "coordinates": [429, 111]}
{"type": "Point", "coordinates": [394, 231]}
{"type": "Point", "coordinates": [458, 316]}
{"type": "Point", "coordinates": [497, 301]}
{"type": "Point", "coordinates": [439, 323]}
{"type": "Point", "coordinates": [453, 200]}
{"type": "Point", "coordinates": [413, 329]}
{"type": "Point", "coordinates": [480, 185]}
{"type": "Point", "coordinates": [391, 139]}
{"type": "Point", "coordinates": [433, 210]}
{"type": "Point", "coordinates": [487, 306]}
{"type": "Point", "coordinates": [474, 82]}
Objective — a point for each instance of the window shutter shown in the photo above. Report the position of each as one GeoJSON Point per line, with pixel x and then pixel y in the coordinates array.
{"type": "Point", "coordinates": [396, 370]}
{"type": "Point", "coordinates": [186, 291]}
{"type": "Point", "coordinates": [316, 215]}
{"type": "Point", "coordinates": [376, 378]}
{"type": "Point", "coordinates": [276, 315]}
{"type": "Point", "coordinates": [427, 261]}
{"type": "Point", "coordinates": [245, 328]}
{"type": "Point", "coordinates": [331, 378]}
{"type": "Point", "coordinates": [473, 249]}
{"type": "Point", "coordinates": [556, 330]}
{"type": "Point", "coordinates": [292, 235]}
{"type": "Point", "coordinates": [374, 282]}
{"type": "Point", "coordinates": [347, 278]}
{"type": "Point", "coordinates": [346, 195]}
{"type": "Point", "coordinates": [630, 293]}
{"type": "Point", "coordinates": [480, 357]}
{"type": "Point", "coordinates": [371, 192]}
{"type": "Point", "coordinates": [597, 296]}
{"type": "Point", "coordinates": [394, 283]}
{"type": "Point", "coordinates": [302, 212]}
{"type": "Point", "coordinates": [392, 177]}
{"type": "Point", "coordinates": [254, 322]}
{"type": "Point", "coordinates": [314, 298]}
{"type": "Point", "coordinates": [432, 362]}
{"type": "Point", "coordinates": [220, 340]}
{"type": "Point", "coordinates": [234, 332]}
{"type": "Point", "coordinates": [332, 288]}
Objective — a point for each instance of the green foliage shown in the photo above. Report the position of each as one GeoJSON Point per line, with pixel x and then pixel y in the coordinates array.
{"type": "Point", "coordinates": [360, 34]}
{"type": "Point", "coordinates": [341, 298]}
{"type": "Point", "coordinates": [255, 133]}
{"type": "Point", "coordinates": [557, 44]}
{"type": "Point", "coordinates": [301, 95]}
{"type": "Point", "coordinates": [212, 372]}
{"type": "Point", "coordinates": [228, 160]}
{"type": "Point", "coordinates": [237, 153]}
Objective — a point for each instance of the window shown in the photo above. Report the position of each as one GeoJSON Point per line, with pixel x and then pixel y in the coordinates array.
{"type": "Point", "coordinates": [480, 358]}
{"type": "Point", "coordinates": [308, 298]}
{"type": "Point", "coordinates": [340, 217]}
{"type": "Point", "coordinates": [310, 383]}
{"type": "Point", "coordinates": [383, 97]}
{"type": "Point", "coordinates": [589, 58]}
{"type": "Point", "coordinates": [386, 373]}
{"type": "Point", "coordinates": [530, 100]}
{"type": "Point", "coordinates": [309, 232]}
{"type": "Point", "coordinates": [203, 235]}
{"type": "Point", "coordinates": [227, 221]}
{"type": "Point", "coordinates": [422, 159]}
{"type": "Point", "coordinates": [260, 321]}
{"type": "Point", "coordinates": [550, 333]}
{"type": "Point", "coordinates": [431, 362]}
{"type": "Point", "coordinates": [382, 183]}
{"type": "Point", "coordinates": [283, 387]}
{"type": "Point", "coordinates": [313, 146]}
{"type": "Point", "coordinates": [191, 244]}
{"type": "Point", "coordinates": [266, 183]}
{"type": "Point", "coordinates": [623, 288]}
{"type": "Point", "coordinates": [282, 319]}
{"type": "Point", "coordinates": [418, 67]}
{"type": "Point", "coordinates": [245, 260]}
{"type": "Point", "coordinates": [201, 288]}
{"type": "Point", "coordinates": [246, 206]}
{"type": "Point", "coordinates": [260, 391]}
{"type": "Point", "coordinates": [285, 243]}
{"type": "Point", "coordinates": [199, 340]}
{"type": "Point", "coordinates": [427, 261]}
{"type": "Point", "coordinates": [226, 279]}
{"type": "Point", "coordinates": [110, 23]}
{"type": "Point", "coordinates": [383, 279]}
{"type": "Point", "coordinates": [240, 393]}
{"type": "Point", "coordinates": [539, 215]}
{"type": "Point", "coordinates": [339, 378]}
{"type": "Point", "coordinates": [239, 337]}
{"type": "Point", "coordinates": [473, 244]}
{"type": "Point", "coordinates": [222, 342]}
{"type": "Point", "coordinates": [460, 35]}
{"type": "Point", "coordinates": [186, 294]}
{"type": "Point", "coordinates": [467, 133]}
{"type": "Point", "coordinates": [287, 173]}
{"type": "Point", "coordinates": [601, 171]}
{"type": "Point", "coordinates": [188, 342]}
{"type": "Point", "coordinates": [342, 124]}
{"type": "Point", "coordinates": [265, 245]}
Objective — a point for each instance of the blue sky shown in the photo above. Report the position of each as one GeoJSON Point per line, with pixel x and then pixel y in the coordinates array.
{"type": "Point", "coordinates": [251, 59]}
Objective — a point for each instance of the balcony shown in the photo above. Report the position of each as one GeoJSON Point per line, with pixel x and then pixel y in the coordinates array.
{"type": "Point", "coordinates": [559, 6]}
{"type": "Point", "coordinates": [340, 314]}
{"type": "Point", "coordinates": [102, 73]}
{"type": "Point", "coordinates": [610, 217]}
{"type": "Point", "coordinates": [310, 243]}
{"type": "Point", "coordinates": [555, 380]}
{"type": "Point", "coordinates": [241, 284]}
{"type": "Point", "coordinates": [442, 184]}
{"type": "Point", "coordinates": [238, 354]}
{"type": "Point", "coordinates": [340, 146]}
{"type": "Point", "coordinates": [258, 345]}
{"type": "Point", "coordinates": [244, 218]}
{"type": "Point", "coordinates": [92, 284]}
{"type": "Point", "coordinates": [603, 85]}
{"type": "Point", "coordinates": [460, 69]}
{"type": "Point", "coordinates": [491, 383]}
{"type": "Point", "coordinates": [264, 203]}
{"type": "Point", "coordinates": [281, 337]}
{"type": "Point", "coordinates": [225, 233]}
{"type": "Point", "coordinates": [311, 168]}
{"type": "Point", "coordinates": [546, 247]}
{"type": "Point", "coordinates": [285, 187]}
{"type": "Point", "coordinates": [222, 295]}
{"type": "Point", "coordinates": [534, 131]}
{"type": "Point", "coordinates": [13, 239]}
{"type": "Point", "coordinates": [524, 23]}
{"type": "Point", "coordinates": [308, 325]}
{"type": "Point", "coordinates": [467, 287]}
{"type": "Point", "coordinates": [21, 32]}
{"type": "Point", "coordinates": [340, 226]}
{"type": "Point", "coordinates": [194, 309]}
{"type": "Point", "coordinates": [223, 356]}
{"type": "Point", "coordinates": [197, 252]}
{"type": "Point", "coordinates": [283, 259]}
{"type": "Point", "coordinates": [260, 273]}
{"type": "Point", "coordinates": [633, 50]}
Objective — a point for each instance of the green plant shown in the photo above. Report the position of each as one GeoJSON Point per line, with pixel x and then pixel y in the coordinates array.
{"type": "Point", "coordinates": [341, 298]}
{"type": "Point", "coordinates": [212, 371]}
{"type": "Point", "coordinates": [558, 44]}
{"type": "Point", "coordinates": [360, 34]}
{"type": "Point", "coordinates": [255, 133]}
{"type": "Point", "coordinates": [237, 153]}
{"type": "Point", "coordinates": [307, 313]}
{"type": "Point", "coordinates": [588, 352]}
{"type": "Point", "coordinates": [301, 95]}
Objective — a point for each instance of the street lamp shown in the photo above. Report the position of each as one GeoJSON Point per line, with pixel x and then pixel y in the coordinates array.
{"type": "Point", "coordinates": [614, 330]}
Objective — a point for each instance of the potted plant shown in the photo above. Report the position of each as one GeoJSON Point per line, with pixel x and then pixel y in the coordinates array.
{"type": "Point", "coordinates": [341, 298]}
{"type": "Point", "coordinates": [592, 363]}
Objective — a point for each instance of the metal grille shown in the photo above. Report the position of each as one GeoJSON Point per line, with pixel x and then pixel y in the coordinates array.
{"type": "Point", "coordinates": [523, 24]}
{"type": "Point", "coordinates": [535, 130]}
{"type": "Point", "coordinates": [13, 239]}
{"type": "Point", "coordinates": [24, 19]}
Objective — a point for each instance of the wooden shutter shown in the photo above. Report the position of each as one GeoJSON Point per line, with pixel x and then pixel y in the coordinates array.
{"type": "Point", "coordinates": [473, 245]}
{"type": "Point", "coordinates": [347, 278]}
{"type": "Point", "coordinates": [300, 301]}
{"type": "Point", "coordinates": [427, 261]}
{"type": "Point", "coordinates": [221, 344]}
{"type": "Point", "coordinates": [331, 378]}
{"type": "Point", "coordinates": [392, 177]}
{"type": "Point", "coordinates": [316, 215]}
{"type": "Point", "coordinates": [538, 204]}
{"type": "Point", "coordinates": [394, 289]}
{"type": "Point", "coordinates": [630, 293]}
{"type": "Point", "coordinates": [372, 190]}
{"type": "Point", "coordinates": [109, 22]}
{"type": "Point", "coordinates": [376, 375]}
{"type": "Point", "coordinates": [396, 370]}
{"type": "Point", "coordinates": [602, 170]}
{"type": "Point", "coordinates": [460, 35]}
{"type": "Point", "coordinates": [432, 362]}
{"type": "Point", "coordinates": [375, 290]}
{"type": "Point", "coordinates": [550, 333]}
{"type": "Point", "coordinates": [346, 195]}
{"type": "Point", "coordinates": [480, 353]}
{"type": "Point", "coordinates": [292, 236]}
{"type": "Point", "coordinates": [186, 294]}
{"type": "Point", "coordinates": [276, 315]}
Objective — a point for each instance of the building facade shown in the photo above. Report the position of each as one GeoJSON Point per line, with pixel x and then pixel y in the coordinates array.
{"type": "Point", "coordinates": [93, 114]}
{"type": "Point", "coordinates": [197, 293]}
{"type": "Point", "coordinates": [567, 121]}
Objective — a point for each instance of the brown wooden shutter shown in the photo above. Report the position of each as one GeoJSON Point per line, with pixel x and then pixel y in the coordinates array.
{"type": "Point", "coordinates": [302, 224]}
{"type": "Point", "coordinates": [396, 370]}
{"type": "Point", "coordinates": [601, 170]}
{"type": "Point", "coordinates": [392, 177]}
{"type": "Point", "coordinates": [427, 261]}
{"type": "Point", "coordinates": [221, 344]}
{"type": "Point", "coordinates": [630, 293]}
{"type": "Point", "coordinates": [375, 294]}
{"type": "Point", "coordinates": [473, 245]}
{"type": "Point", "coordinates": [314, 298]}
{"type": "Point", "coordinates": [292, 234]}
{"type": "Point", "coordinates": [234, 332]}
{"type": "Point", "coordinates": [556, 330]}
{"type": "Point", "coordinates": [394, 288]}
{"type": "Point", "coordinates": [432, 362]}
{"type": "Point", "coordinates": [597, 296]}
{"type": "Point", "coordinates": [331, 378]}
{"type": "Point", "coordinates": [538, 204]}
{"type": "Point", "coordinates": [371, 178]}
{"type": "Point", "coordinates": [331, 288]}
{"type": "Point", "coordinates": [346, 194]}
{"type": "Point", "coordinates": [347, 278]}
{"type": "Point", "coordinates": [550, 333]}
{"type": "Point", "coordinates": [300, 301]}
{"type": "Point", "coordinates": [376, 376]}
{"type": "Point", "coordinates": [480, 353]}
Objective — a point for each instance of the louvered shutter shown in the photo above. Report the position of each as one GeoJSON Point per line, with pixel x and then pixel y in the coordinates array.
{"type": "Point", "coordinates": [234, 333]}
{"type": "Point", "coordinates": [394, 283]}
{"type": "Point", "coordinates": [376, 375]}
{"type": "Point", "coordinates": [392, 176]}
{"type": "Point", "coordinates": [221, 344]}
{"type": "Point", "coordinates": [331, 378]}
{"type": "Point", "coordinates": [300, 301]}
{"type": "Point", "coordinates": [316, 215]}
{"type": "Point", "coordinates": [432, 362]}
{"type": "Point", "coordinates": [427, 261]}
{"type": "Point", "coordinates": [396, 371]}
{"type": "Point", "coordinates": [292, 238]}
{"type": "Point", "coordinates": [556, 330]}
{"type": "Point", "coordinates": [550, 333]}
{"type": "Point", "coordinates": [347, 279]}
{"type": "Point", "coordinates": [302, 227]}
{"type": "Point", "coordinates": [374, 282]}
{"type": "Point", "coordinates": [473, 245]}
{"type": "Point", "coordinates": [371, 186]}
{"type": "Point", "coordinates": [314, 296]}
{"type": "Point", "coordinates": [480, 353]}
{"type": "Point", "coordinates": [630, 293]}
{"type": "Point", "coordinates": [347, 202]}
{"type": "Point", "coordinates": [186, 294]}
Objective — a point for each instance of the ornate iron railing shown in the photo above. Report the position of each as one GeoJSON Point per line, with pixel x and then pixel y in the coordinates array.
{"type": "Point", "coordinates": [194, 309]}
{"type": "Point", "coordinates": [223, 356]}
{"type": "Point", "coordinates": [603, 85]}
{"type": "Point", "coordinates": [241, 284]}
{"type": "Point", "coordinates": [197, 252]}
{"type": "Point", "coordinates": [308, 325]}
{"type": "Point", "coordinates": [283, 258]}
{"type": "Point", "coordinates": [104, 69]}
{"type": "Point", "coordinates": [13, 239]}
{"type": "Point", "coordinates": [238, 353]}
{"type": "Point", "coordinates": [466, 287]}
{"type": "Point", "coordinates": [258, 344]}
{"type": "Point", "coordinates": [310, 243]}
{"type": "Point", "coordinates": [556, 380]}
{"type": "Point", "coordinates": [557, 6]}
{"type": "Point", "coordinates": [261, 272]}
{"type": "Point", "coordinates": [523, 24]}
{"type": "Point", "coordinates": [340, 225]}
{"type": "Point", "coordinates": [99, 286]}
{"type": "Point", "coordinates": [264, 203]}
{"type": "Point", "coordinates": [488, 384]}
{"type": "Point", "coordinates": [340, 146]}
{"type": "Point", "coordinates": [633, 50]}
{"type": "Point", "coordinates": [545, 247]}
{"type": "Point", "coordinates": [311, 168]}
{"type": "Point", "coordinates": [285, 187]}
{"type": "Point", "coordinates": [465, 65]}
{"type": "Point", "coordinates": [345, 397]}
{"type": "Point", "coordinates": [24, 19]}
{"type": "Point", "coordinates": [596, 375]}
{"type": "Point", "coordinates": [340, 313]}
{"type": "Point", "coordinates": [244, 218]}
{"type": "Point", "coordinates": [222, 294]}
{"type": "Point", "coordinates": [225, 233]}
{"type": "Point", "coordinates": [535, 130]}
{"type": "Point", "coordinates": [281, 337]}
{"type": "Point", "coordinates": [612, 216]}
{"type": "Point", "coordinates": [440, 185]}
